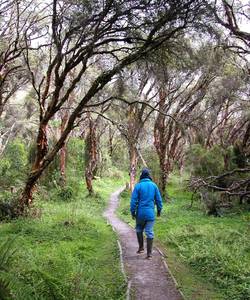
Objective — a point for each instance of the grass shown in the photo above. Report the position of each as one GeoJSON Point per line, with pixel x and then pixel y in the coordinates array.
{"type": "Point", "coordinates": [208, 256]}
{"type": "Point", "coordinates": [69, 252]}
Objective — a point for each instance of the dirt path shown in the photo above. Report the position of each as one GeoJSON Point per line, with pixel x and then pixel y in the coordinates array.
{"type": "Point", "coordinates": [148, 279]}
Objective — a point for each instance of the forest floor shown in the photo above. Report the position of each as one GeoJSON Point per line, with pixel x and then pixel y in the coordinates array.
{"type": "Point", "coordinates": [147, 279]}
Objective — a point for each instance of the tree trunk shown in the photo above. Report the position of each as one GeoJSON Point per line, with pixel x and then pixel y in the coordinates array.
{"type": "Point", "coordinates": [88, 179]}
{"type": "Point", "coordinates": [91, 155]}
{"type": "Point", "coordinates": [163, 181]}
{"type": "Point", "coordinates": [63, 152]}
{"type": "Point", "coordinates": [1, 110]}
{"type": "Point", "coordinates": [246, 137]}
{"type": "Point", "coordinates": [111, 136]}
{"type": "Point", "coordinates": [164, 173]}
{"type": "Point", "coordinates": [1, 99]}
{"type": "Point", "coordinates": [133, 164]}
{"type": "Point", "coordinates": [37, 169]}
{"type": "Point", "coordinates": [27, 194]}
{"type": "Point", "coordinates": [63, 164]}
{"type": "Point", "coordinates": [160, 143]}
{"type": "Point", "coordinates": [64, 120]}
{"type": "Point", "coordinates": [42, 146]}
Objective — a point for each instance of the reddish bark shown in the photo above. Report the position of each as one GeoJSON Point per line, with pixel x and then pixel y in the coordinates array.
{"type": "Point", "coordinates": [168, 132]}
{"type": "Point", "coordinates": [41, 151]}
{"type": "Point", "coordinates": [42, 146]}
{"type": "Point", "coordinates": [53, 90]}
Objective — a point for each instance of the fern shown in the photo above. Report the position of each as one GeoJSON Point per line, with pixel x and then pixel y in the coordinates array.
{"type": "Point", "coordinates": [10, 286]}
{"type": "Point", "coordinates": [4, 287]}
{"type": "Point", "coordinates": [52, 285]}
{"type": "Point", "coordinates": [6, 252]}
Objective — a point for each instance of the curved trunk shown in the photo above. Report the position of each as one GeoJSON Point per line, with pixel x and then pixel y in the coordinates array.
{"type": "Point", "coordinates": [42, 148]}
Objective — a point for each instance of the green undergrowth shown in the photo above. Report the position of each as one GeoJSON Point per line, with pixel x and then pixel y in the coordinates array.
{"type": "Point", "coordinates": [208, 256]}
{"type": "Point", "coordinates": [69, 252]}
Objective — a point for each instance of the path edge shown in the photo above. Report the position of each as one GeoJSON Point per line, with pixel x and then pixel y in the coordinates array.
{"type": "Point", "coordinates": [169, 271]}
{"type": "Point", "coordinates": [122, 266]}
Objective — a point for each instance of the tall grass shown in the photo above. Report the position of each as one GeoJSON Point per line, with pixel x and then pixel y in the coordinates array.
{"type": "Point", "coordinates": [69, 252]}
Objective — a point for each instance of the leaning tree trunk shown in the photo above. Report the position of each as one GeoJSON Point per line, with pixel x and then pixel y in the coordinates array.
{"type": "Point", "coordinates": [133, 159]}
{"type": "Point", "coordinates": [91, 155]}
{"type": "Point", "coordinates": [41, 151]}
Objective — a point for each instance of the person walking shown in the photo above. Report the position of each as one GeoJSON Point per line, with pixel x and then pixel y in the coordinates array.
{"type": "Point", "coordinates": [142, 207]}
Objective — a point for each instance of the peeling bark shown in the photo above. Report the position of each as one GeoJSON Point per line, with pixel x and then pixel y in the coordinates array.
{"type": "Point", "coordinates": [37, 168]}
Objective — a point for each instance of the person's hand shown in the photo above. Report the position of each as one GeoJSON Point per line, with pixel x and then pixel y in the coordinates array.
{"type": "Point", "coordinates": [158, 214]}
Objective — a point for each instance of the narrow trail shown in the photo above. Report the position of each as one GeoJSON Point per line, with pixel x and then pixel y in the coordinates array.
{"type": "Point", "coordinates": [148, 279]}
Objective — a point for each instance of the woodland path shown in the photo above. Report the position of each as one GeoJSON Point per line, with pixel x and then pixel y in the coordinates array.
{"type": "Point", "coordinates": [147, 279]}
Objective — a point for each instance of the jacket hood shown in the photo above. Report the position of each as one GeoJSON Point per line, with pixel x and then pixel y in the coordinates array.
{"type": "Point", "coordinates": [145, 174]}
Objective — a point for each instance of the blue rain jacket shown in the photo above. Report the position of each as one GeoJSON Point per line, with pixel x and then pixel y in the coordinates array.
{"type": "Point", "coordinates": [144, 197]}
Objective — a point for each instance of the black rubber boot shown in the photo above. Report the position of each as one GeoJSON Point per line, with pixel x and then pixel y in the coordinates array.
{"type": "Point", "coordinates": [140, 242]}
{"type": "Point", "coordinates": [149, 248]}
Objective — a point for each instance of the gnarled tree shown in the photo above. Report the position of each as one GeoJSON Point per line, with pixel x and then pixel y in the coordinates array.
{"type": "Point", "coordinates": [17, 22]}
{"type": "Point", "coordinates": [80, 34]}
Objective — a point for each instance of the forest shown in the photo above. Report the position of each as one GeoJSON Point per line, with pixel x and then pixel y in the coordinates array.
{"type": "Point", "coordinates": [90, 93]}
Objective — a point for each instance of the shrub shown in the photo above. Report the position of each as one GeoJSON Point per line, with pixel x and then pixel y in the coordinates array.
{"type": "Point", "coordinates": [205, 162]}
{"type": "Point", "coordinates": [8, 205]}
{"type": "Point", "coordinates": [13, 167]}
{"type": "Point", "coordinates": [75, 151]}
{"type": "Point", "coordinates": [152, 160]}
{"type": "Point", "coordinates": [120, 155]}
{"type": "Point", "coordinates": [66, 193]}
